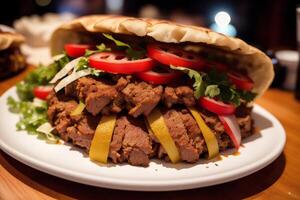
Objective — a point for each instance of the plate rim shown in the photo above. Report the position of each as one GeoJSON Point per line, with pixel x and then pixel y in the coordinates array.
{"type": "Point", "coordinates": [148, 185]}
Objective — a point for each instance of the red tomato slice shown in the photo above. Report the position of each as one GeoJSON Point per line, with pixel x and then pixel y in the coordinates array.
{"type": "Point", "coordinates": [158, 77]}
{"type": "Point", "coordinates": [172, 56]}
{"type": "Point", "coordinates": [42, 92]}
{"type": "Point", "coordinates": [76, 50]}
{"type": "Point", "coordinates": [217, 107]}
{"type": "Point", "coordinates": [117, 62]}
{"type": "Point", "coordinates": [216, 65]}
{"type": "Point", "coordinates": [242, 82]}
{"type": "Point", "coordinates": [232, 128]}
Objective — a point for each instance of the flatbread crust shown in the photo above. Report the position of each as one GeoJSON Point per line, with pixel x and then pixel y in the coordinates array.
{"type": "Point", "coordinates": [8, 39]}
{"type": "Point", "coordinates": [257, 64]}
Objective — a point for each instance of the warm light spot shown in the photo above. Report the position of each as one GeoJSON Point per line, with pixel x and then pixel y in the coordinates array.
{"type": "Point", "coordinates": [43, 2]}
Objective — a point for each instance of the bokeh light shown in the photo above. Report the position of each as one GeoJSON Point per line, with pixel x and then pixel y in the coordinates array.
{"type": "Point", "coordinates": [222, 18]}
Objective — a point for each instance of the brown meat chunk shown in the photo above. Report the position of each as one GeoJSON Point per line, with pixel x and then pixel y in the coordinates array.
{"type": "Point", "coordinates": [83, 129]}
{"type": "Point", "coordinates": [138, 158]}
{"type": "Point", "coordinates": [170, 97]}
{"type": "Point", "coordinates": [117, 104]}
{"type": "Point", "coordinates": [78, 129]}
{"type": "Point", "coordinates": [59, 106]}
{"type": "Point", "coordinates": [217, 127]}
{"type": "Point", "coordinates": [178, 95]}
{"type": "Point", "coordinates": [117, 138]}
{"type": "Point", "coordinates": [179, 134]}
{"type": "Point", "coordinates": [96, 94]}
{"type": "Point", "coordinates": [141, 98]}
{"type": "Point", "coordinates": [85, 86]}
{"type": "Point", "coordinates": [70, 89]}
{"type": "Point", "coordinates": [186, 95]}
{"type": "Point", "coordinates": [246, 125]}
{"type": "Point", "coordinates": [130, 137]}
{"type": "Point", "coordinates": [96, 101]}
{"type": "Point", "coordinates": [193, 130]}
{"type": "Point", "coordinates": [100, 96]}
{"type": "Point", "coordinates": [121, 83]}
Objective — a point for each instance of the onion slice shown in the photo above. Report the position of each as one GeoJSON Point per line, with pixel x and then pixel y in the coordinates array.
{"type": "Point", "coordinates": [57, 57]}
{"type": "Point", "coordinates": [65, 70]}
{"type": "Point", "coordinates": [232, 128]}
{"type": "Point", "coordinates": [38, 102]}
{"type": "Point", "coordinates": [72, 77]}
{"type": "Point", "coordinates": [45, 128]}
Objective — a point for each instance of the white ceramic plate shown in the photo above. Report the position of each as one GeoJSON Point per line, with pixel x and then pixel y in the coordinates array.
{"type": "Point", "coordinates": [70, 163]}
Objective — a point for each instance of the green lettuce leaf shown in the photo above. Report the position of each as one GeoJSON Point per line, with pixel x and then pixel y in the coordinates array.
{"type": "Point", "coordinates": [31, 117]}
{"type": "Point", "coordinates": [199, 85]}
{"type": "Point", "coordinates": [100, 48]}
{"type": "Point", "coordinates": [117, 42]}
{"type": "Point", "coordinates": [130, 52]}
{"type": "Point", "coordinates": [39, 76]}
{"type": "Point", "coordinates": [212, 91]}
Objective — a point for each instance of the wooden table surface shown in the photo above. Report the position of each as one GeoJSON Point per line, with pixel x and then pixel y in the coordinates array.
{"type": "Point", "coordinates": [279, 180]}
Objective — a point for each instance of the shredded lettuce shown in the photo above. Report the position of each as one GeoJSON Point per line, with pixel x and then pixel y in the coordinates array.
{"type": "Point", "coordinates": [31, 117]}
{"type": "Point", "coordinates": [40, 76]}
{"type": "Point", "coordinates": [33, 113]}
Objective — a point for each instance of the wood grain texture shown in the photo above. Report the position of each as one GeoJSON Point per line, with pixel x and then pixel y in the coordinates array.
{"type": "Point", "coordinates": [279, 180]}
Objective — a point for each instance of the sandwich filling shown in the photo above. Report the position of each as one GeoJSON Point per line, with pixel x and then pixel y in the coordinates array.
{"type": "Point", "coordinates": [168, 102]}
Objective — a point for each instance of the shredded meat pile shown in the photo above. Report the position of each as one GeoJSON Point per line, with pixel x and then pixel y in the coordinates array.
{"type": "Point", "coordinates": [133, 99]}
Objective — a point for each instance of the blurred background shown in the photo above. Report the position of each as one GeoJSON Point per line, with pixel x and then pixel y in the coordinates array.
{"type": "Point", "coordinates": [267, 24]}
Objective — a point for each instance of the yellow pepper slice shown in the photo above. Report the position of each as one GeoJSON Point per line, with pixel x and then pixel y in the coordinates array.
{"type": "Point", "coordinates": [209, 136]}
{"type": "Point", "coordinates": [100, 144]}
{"type": "Point", "coordinates": [160, 130]}
{"type": "Point", "coordinates": [78, 110]}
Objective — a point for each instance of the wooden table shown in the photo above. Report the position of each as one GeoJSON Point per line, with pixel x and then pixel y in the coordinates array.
{"type": "Point", "coordinates": [279, 180]}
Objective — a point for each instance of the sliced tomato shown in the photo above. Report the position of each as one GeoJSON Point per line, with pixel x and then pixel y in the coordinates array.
{"type": "Point", "coordinates": [217, 107]}
{"type": "Point", "coordinates": [241, 81]}
{"type": "Point", "coordinates": [117, 62]}
{"type": "Point", "coordinates": [42, 92]}
{"type": "Point", "coordinates": [174, 56]}
{"type": "Point", "coordinates": [76, 50]}
{"type": "Point", "coordinates": [232, 128]}
{"type": "Point", "coordinates": [216, 65]}
{"type": "Point", "coordinates": [154, 77]}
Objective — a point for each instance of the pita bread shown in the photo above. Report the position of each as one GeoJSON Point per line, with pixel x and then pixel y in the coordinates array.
{"type": "Point", "coordinates": [254, 61]}
{"type": "Point", "coordinates": [8, 39]}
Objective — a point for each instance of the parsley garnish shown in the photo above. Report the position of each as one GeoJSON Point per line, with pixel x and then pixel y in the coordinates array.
{"type": "Point", "coordinates": [83, 64]}
{"type": "Point", "coordinates": [212, 91]}
{"type": "Point", "coordinates": [199, 86]}
{"type": "Point", "coordinates": [215, 84]}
